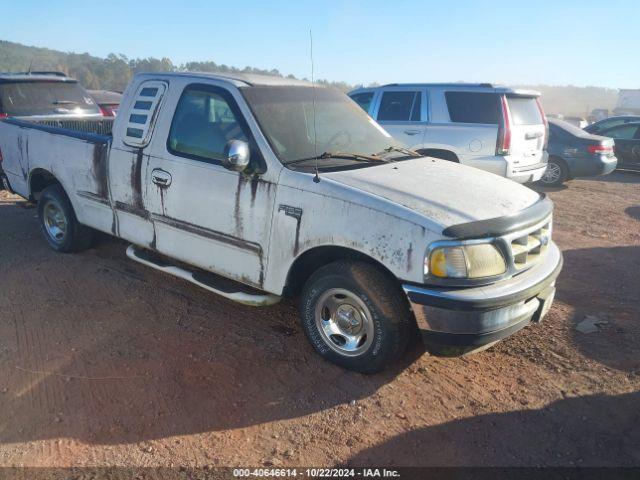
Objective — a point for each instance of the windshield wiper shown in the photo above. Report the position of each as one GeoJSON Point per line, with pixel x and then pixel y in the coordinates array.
{"type": "Point", "coordinates": [348, 156]}
{"type": "Point", "coordinates": [406, 151]}
{"type": "Point", "coordinates": [65, 102]}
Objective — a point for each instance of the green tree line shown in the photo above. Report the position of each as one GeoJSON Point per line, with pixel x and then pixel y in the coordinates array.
{"type": "Point", "coordinates": [114, 71]}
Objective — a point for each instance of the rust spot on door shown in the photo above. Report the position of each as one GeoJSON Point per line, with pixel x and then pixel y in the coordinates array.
{"type": "Point", "coordinates": [237, 209]}
{"type": "Point", "coordinates": [255, 181]}
{"type": "Point", "coordinates": [153, 244]}
{"type": "Point", "coordinates": [136, 180]}
{"type": "Point", "coordinates": [114, 223]}
{"type": "Point", "coordinates": [162, 190]}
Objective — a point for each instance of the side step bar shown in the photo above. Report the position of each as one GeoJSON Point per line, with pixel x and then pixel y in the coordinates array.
{"type": "Point", "coordinates": [224, 287]}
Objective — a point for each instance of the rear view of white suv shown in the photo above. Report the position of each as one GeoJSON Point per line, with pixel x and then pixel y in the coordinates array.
{"type": "Point", "coordinates": [498, 129]}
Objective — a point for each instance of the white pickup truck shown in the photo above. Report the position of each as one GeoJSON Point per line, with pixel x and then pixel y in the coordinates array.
{"type": "Point", "coordinates": [260, 187]}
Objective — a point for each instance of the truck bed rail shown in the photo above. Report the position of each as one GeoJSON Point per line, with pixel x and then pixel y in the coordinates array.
{"type": "Point", "coordinates": [100, 126]}
{"type": "Point", "coordinates": [95, 130]}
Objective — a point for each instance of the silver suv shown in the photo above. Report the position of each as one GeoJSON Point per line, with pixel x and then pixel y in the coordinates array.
{"type": "Point", "coordinates": [498, 129]}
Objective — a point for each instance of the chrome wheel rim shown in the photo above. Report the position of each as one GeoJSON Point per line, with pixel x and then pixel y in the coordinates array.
{"type": "Point", "coordinates": [55, 222]}
{"type": "Point", "coordinates": [344, 322]}
{"type": "Point", "coordinates": [552, 173]}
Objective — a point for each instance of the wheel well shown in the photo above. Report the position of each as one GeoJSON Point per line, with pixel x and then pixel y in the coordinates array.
{"type": "Point", "coordinates": [439, 153]}
{"type": "Point", "coordinates": [39, 180]}
{"type": "Point", "coordinates": [306, 264]}
{"type": "Point", "coordinates": [558, 159]}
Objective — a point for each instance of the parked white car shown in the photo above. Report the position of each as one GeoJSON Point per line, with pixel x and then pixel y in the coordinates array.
{"type": "Point", "coordinates": [259, 187]}
{"type": "Point", "coordinates": [497, 129]}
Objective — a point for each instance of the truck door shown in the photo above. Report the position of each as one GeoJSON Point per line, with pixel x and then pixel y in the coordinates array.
{"type": "Point", "coordinates": [204, 214]}
{"type": "Point", "coordinates": [128, 159]}
{"type": "Point", "coordinates": [400, 111]}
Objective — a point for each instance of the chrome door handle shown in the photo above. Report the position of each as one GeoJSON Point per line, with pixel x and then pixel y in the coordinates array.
{"type": "Point", "coordinates": [412, 132]}
{"type": "Point", "coordinates": [161, 177]}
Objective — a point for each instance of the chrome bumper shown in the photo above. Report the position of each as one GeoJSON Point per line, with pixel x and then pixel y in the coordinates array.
{"type": "Point", "coordinates": [457, 320]}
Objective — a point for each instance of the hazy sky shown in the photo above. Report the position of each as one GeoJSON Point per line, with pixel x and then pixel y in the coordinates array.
{"type": "Point", "coordinates": [560, 42]}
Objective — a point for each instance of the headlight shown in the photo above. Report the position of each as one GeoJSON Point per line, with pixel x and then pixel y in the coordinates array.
{"type": "Point", "coordinates": [465, 261]}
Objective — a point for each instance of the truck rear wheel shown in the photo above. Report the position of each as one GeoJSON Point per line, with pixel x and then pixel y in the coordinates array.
{"type": "Point", "coordinates": [356, 316]}
{"type": "Point", "coordinates": [59, 223]}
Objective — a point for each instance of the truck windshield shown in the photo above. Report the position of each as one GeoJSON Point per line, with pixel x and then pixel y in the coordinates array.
{"type": "Point", "coordinates": [26, 98]}
{"type": "Point", "coordinates": [286, 117]}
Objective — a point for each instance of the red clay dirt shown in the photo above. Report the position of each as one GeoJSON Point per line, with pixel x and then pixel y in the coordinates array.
{"type": "Point", "coordinates": [104, 362]}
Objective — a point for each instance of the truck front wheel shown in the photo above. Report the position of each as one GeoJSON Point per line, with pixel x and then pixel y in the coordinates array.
{"type": "Point", "coordinates": [59, 223]}
{"type": "Point", "coordinates": [356, 316]}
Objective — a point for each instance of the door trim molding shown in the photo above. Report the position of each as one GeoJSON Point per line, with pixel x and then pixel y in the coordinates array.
{"type": "Point", "coordinates": [207, 233]}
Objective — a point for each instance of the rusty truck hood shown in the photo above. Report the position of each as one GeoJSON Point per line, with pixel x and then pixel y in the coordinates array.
{"type": "Point", "coordinates": [444, 192]}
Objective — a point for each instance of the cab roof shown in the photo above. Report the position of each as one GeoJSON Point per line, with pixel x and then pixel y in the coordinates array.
{"type": "Point", "coordinates": [238, 79]}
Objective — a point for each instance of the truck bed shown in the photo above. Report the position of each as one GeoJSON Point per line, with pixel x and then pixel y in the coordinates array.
{"type": "Point", "coordinates": [71, 150]}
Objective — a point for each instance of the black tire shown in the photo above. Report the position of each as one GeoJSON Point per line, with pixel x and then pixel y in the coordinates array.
{"type": "Point", "coordinates": [389, 314]}
{"type": "Point", "coordinates": [557, 165]}
{"type": "Point", "coordinates": [75, 237]}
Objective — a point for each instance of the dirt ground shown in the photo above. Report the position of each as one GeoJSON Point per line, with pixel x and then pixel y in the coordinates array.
{"type": "Point", "coordinates": [104, 362]}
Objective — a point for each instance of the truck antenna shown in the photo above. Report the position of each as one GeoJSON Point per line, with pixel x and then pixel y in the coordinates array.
{"type": "Point", "coordinates": [316, 179]}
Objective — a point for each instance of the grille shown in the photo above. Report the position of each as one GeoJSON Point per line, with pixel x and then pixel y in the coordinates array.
{"type": "Point", "coordinates": [100, 126]}
{"type": "Point", "coordinates": [527, 248]}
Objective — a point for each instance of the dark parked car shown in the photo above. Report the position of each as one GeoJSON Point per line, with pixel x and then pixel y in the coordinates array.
{"type": "Point", "coordinates": [598, 127]}
{"type": "Point", "coordinates": [108, 101]}
{"type": "Point", "coordinates": [627, 138]}
{"type": "Point", "coordinates": [44, 95]}
{"type": "Point", "coordinates": [576, 153]}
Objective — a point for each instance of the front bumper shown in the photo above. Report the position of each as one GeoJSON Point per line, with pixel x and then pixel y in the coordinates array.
{"type": "Point", "coordinates": [454, 321]}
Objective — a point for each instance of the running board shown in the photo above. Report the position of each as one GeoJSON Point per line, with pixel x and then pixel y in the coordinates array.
{"type": "Point", "coordinates": [214, 283]}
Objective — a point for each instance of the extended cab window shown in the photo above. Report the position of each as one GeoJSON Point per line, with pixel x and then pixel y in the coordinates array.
{"type": "Point", "coordinates": [363, 100]}
{"type": "Point", "coordinates": [473, 107]}
{"type": "Point", "coordinates": [400, 107]}
{"type": "Point", "coordinates": [203, 124]}
{"type": "Point", "coordinates": [138, 127]}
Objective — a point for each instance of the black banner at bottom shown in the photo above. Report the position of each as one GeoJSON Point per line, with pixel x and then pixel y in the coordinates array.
{"type": "Point", "coordinates": [405, 473]}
